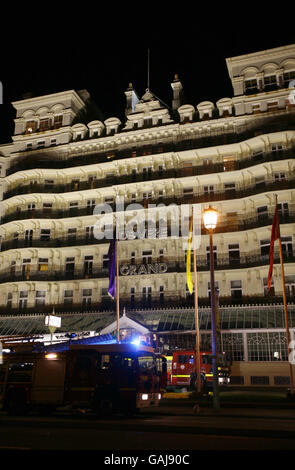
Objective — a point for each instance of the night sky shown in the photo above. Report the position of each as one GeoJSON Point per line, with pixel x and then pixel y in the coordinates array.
{"type": "Point", "coordinates": [104, 61]}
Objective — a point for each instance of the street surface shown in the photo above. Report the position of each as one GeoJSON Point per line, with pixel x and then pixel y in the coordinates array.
{"type": "Point", "coordinates": [167, 427]}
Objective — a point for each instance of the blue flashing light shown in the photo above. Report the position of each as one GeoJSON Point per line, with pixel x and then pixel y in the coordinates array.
{"type": "Point", "coordinates": [136, 342]}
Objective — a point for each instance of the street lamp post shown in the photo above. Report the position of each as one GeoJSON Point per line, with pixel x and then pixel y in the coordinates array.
{"type": "Point", "coordinates": [210, 221]}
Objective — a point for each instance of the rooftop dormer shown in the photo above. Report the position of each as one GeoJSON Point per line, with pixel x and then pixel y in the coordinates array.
{"type": "Point", "coordinates": [46, 113]}
{"type": "Point", "coordinates": [262, 71]}
{"type": "Point", "coordinates": [147, 112]}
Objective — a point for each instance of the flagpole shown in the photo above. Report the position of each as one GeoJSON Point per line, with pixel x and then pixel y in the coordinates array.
{"type": "Point", "coordinates": [197, 365]}
{"type": "Point", "coordinates": [117, 289]}
{"type": "Point", "coordinates": [285, 308]}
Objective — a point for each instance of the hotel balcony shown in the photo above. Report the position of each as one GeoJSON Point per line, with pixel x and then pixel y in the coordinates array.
{"type": "Point", "coordinates": [151, 176]}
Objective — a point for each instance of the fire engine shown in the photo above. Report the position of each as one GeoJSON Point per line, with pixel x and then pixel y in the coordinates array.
{"type": "Point", "coordinates": [181, 363]}
{"type": "Point", "coordinates": [106, 377]}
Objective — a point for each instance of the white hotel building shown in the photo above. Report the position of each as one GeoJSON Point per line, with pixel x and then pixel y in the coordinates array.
{"type": "Point", "coordinates": [235, 155]}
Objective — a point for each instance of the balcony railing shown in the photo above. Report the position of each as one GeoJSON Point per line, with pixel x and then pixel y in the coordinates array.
{"type": "Point", "coordinates": [34, 159]}
{"type": "Point", "coordinates": [178, 199]}
{"type": "Point", "coordinates": [227, 225]}
{"type": "Point", "coordinates": [58, 273]}
{"type": "Point", "coordinates": [139, 302]}
{"type": "Point", "coordinates": [155, 175]}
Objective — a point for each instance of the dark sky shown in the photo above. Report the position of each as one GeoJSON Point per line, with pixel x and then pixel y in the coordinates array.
{"type": "Point", "coordinates": [104, 61]}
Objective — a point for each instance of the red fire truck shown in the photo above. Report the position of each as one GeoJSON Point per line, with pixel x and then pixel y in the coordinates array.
{"type": "Point", "coordinates": [105, 378]}
{"type": "Point", "coordinates": [183, 365]}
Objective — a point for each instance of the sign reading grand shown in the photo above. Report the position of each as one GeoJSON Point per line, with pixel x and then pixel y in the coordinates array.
{"type": "Point", "coordinates": [131, 269]}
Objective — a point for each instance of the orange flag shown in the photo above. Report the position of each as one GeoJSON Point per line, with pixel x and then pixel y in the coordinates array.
{"type": "Point", "coordinates": [275, 235]}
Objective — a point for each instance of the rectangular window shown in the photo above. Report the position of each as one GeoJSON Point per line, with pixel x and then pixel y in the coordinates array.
{"type": "Point", "coordinates": [47, 206]}
{"type": "Point", "coordinates": [188, 191]}
{"type": "Point", "coordinates": [237, 380]}
{"type": "Point", "coordinates": [75, 185]}
{"type": "Point", "coordinates": [257, 155]}
{"type": "Point", "coordinates": [147, 293]}
{"type": "Point", "coordinates": [147, 195]}
{"type": "Point", "coordinates": [276, 147]}
{"type": "Point", "coordinates": [264, 247]}
{"type": "Point", "coordinates": [256, 108]}
{"type": "Point", "coordinates": [270, 82]}
{"type": "Point", "coordinates": [70, 265]}
{"type": "Point", "coordinates": [44, 234]}
{"type": "Point", "coordinates": [57, 121]}
{"type": "Point", "coordinates": [68, 297]}
{"type": "Point", "coordinates": [230, 186]}
{"type": "Point", "coordinates": [86, 297]}
{"type": "Point", "coordinates": [132, 257]}
{"type": "Point", "coordinates": [109, 199]}
{"type": "Point", "coordinates": [72, 233]}
{"type": "Point", "coordinates": [272, 106]}
{"type": "Point", "coordinates": [147, 257]}
{"type": "Point", "coordinates": [105, 261]}
{"type": "Point", "coordinates": [40, 297]}
{"type": "Point", "coordinates": [262, 212]}
{"type": "Point", "coordinates": [287, 247]}
{"type": "Point", "coordinates": [132, 294]}
{"type": "Point", "coordinates": [9, 300]}
{"type": "Point", "coordinates": [147, 172]}
{"type": "Point", "coordinates": [228, 163]}
{"type": "Point", "coordinates": [236, 289]}
{"type": "Point", "coordinates": [161, 292]}
{"type": "Point", "coordinates": [23, 299]}
{"type": "Point", "coordinates": [43, 264]}
{"type": "Point", "coordinates": [41, 144]}
{"type": "Point", "coordinates": [280, 176]}
{"type": "Point", "coordinates": [288, 77]}
{"type": "Point", "coordinates": [89, 232]}
{"type": "Point", "coordinates": [209, 189]}
{"type": "Point", "coordinates": [260, 181]}
{"type": "Point", "coordinates": [251, 86]}
{"type": "Point", "coordinates": [283, 209]}
{"type": "Point", "coordinates": [31, 126]}
{"type": "Point", "coordinates": [44, 124]}
{"type": "Point", "coordinates": [260, 380]}
{"type": "Point", "coordinates": [234, 254]}
{"type": "Point", "coordinates": [88, 265]}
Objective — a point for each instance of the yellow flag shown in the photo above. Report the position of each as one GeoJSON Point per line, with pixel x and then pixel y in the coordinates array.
{"type": "Point", "coordinates": [189, 280]}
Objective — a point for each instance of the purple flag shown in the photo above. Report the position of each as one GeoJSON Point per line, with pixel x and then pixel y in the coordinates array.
{"type": "Point", "coordinates": [112, 267]}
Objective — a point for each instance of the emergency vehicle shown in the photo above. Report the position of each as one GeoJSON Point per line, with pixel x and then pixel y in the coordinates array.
{"type": "Point", "coordinates": [106, 378]}
{"type": "Point", "coordinates": [183, 365]}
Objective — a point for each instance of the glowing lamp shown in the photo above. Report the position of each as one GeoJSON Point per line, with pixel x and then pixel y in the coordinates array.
{"type": "Point", "coordinates": [51, 356]}
{"type": "Point", "coordinates": [210, 217]}
{"type": "Point", "coordinates": [136, 342]}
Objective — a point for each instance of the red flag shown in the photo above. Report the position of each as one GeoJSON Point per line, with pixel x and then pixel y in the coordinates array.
{"type": "Point", "coordinates": [275, 234]}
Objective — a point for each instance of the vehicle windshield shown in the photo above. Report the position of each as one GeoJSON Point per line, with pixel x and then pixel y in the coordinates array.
{"type": "Point", "coordinates": [206, 359]}
{"type": "Point", "coordinates": [146, 362]}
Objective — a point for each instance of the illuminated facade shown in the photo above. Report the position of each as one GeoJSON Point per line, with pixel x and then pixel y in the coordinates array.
{"type": "Point", "coordinates": [235, 156]}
